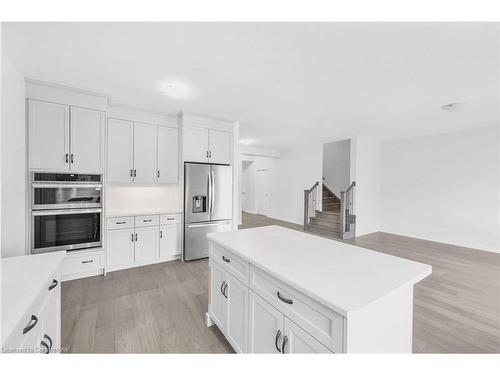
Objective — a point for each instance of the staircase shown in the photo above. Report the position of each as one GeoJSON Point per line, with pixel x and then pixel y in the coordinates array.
{"type": "Point", "coordinates": [336, 219]}
{"type": "Point", "coordinates": [327, 221]}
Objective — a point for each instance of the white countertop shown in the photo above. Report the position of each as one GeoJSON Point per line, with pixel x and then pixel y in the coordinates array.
{"type": "Point", "coordinates": [125, 212]}
{"type": "Point", "coordinates": [343, 277]}
{"type": "Point", "coordinates": [23, 279]}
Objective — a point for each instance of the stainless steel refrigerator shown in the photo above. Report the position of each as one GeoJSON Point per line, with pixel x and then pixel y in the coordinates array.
{"type": "Point", "coordinates": [207, 205]}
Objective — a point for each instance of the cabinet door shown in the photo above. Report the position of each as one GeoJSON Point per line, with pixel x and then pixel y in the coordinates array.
{"type": "Point", "coordinates": [237, 314]}
{"type": "Point", "coordinates": [219, 144]}
{"type": "Point", "coordinates": [48, 125]}
{"type": "Point", "coordinates": [120, 150]}
{"type": "Point", "coordinates": [170, 241]}
{"type": "Point", "coordinates": [299, 341]}
{"type": "Point", "coordinates": [145, 153]}
{"type": "Point", "coordinates": [265, 326]}
{"type": "Point", "coordinates": [120, 248]}
{"type": "Point", "coordinates": [218, 304]}
{"type": "Point", "coordinates": [50, 318]}
{"type": "Point", "coordinates": [87, 140]}
{"type": "Point", "coordinates": [146, 244]}
{"type": "Point", "coordinates": [195, 142]}
{"type": "Point", "coordinates": [168, 155]}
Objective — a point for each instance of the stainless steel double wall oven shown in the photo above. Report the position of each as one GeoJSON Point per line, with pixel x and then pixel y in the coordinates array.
{"type": "Point", "coordinates": [66, 211]}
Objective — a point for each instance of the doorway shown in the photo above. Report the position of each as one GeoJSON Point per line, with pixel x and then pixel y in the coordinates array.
{"type": "Point", "coordinates": [261, 191]}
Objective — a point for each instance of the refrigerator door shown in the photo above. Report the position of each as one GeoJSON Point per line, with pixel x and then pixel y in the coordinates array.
{"type": "Point", "coordinates": [195, 237]}
{"type": "Point", "coordinates": [196, 192]}
{"type": "Point", "coordinates": [221, 204]}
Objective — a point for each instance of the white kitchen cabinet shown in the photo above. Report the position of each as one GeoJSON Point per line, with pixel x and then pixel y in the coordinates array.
{"type": "Point", "coordinates": [120, 151]}
{"type": "Point", "coordinates": [170, 241]}
{"type": "Point", "coordinates": [195, 142]}
{"type": "Point", "coordinates": [207, 145]}
{"type": "Point", "coordinates": [237, 313]}
{"type": "Point", "coordinates": [48, 125]}
{"type": "Point", "coordinates": [217, 297]}
{"type": "Point", "coordinates": [146, 244]}
{"type": "Point", "coordinates": [298, 341]}
{"type": "Point", "coordinates": [86, 140]}
{"type": "Point", "coordinates": [120, 248]}
{"type": "Point", "coordinates": [219, 143]}
{"type": "Point", "coordinates": [265, 326]}
{"type": "Point", "coordinates": [145, 153]}
{"type": "Point", "coordinates": [51, 322]}
{"type": "Point", "coordinates": [168, 155]}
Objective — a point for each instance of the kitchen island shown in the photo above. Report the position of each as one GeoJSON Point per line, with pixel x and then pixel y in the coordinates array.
{"type": "Point", "coordinates": [276, 290]}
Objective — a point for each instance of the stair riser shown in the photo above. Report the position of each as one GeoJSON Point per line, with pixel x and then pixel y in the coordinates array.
{"type": "Point", "coordinates": [328, 216]}
{"type": "Point", "coordinates": [326, 224]}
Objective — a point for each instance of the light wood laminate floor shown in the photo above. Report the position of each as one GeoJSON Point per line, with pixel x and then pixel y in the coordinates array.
{"type": "Point", "coordinates": [160, 308]}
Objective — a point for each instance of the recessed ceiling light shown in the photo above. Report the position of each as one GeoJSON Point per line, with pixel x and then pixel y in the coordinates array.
{"type": "Point", "coordinates": [246, 141]}
{"type": "Point", "coordinates": [175, 89]}
{"type": "Point", "coordinates": [454, 107]}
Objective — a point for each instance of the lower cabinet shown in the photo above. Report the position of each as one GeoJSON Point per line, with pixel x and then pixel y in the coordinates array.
{"type": "Point", "coordinates": [146, 244]}
{"type": "Point", "coordinates": [120, 247]}
{"type": "Point", "coordinates": [229, 307]}
{"type": "Point", "coordinates": [170, 241]}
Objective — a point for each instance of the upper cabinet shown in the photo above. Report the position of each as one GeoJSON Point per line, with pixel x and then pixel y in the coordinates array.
{"type": "Point", "coordinates": [142, 153]}
{"type": "Point", "coordinates": [206, 145]}
{"type": "Point", "coordinates": [65, 138]}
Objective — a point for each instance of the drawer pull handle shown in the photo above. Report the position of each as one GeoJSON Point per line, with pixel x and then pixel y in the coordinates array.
{"type": "Point", "coordinates": [50, 341]}
{"type": "Point", "coordinates": [285, 340]}
{"type": "Point", "coordinates": [278, 335]}
{"type": "Point", "coordinates": [31, 324]}
{"type": "Point", "coordinates": [170, 218]}
{"type": "Point", "coordinates": [286, 300]}
{"type": "Point", "coordinates": [222, 287]}
{"type": "Point", "coordinates": [227, 260]}
{"type": "Point", "coordinates": [147, 221]}
{"type": "Point", "coordinates": [87, 261]}
{"type": "Point", "coordinates": [161, 234]}
{"type": "Point", "coordinates": [54, 284]}
{"type": "Point", "coordinates": [225, 290]}
{"type": "Point", "coordinates": [44, 344]}
{"type": "Point", "coordinates": [121, 222]}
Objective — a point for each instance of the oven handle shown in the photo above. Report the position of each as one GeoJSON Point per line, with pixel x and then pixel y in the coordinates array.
{"type": "Point", "coordinates": [65, 212]}
{"type": "Point", "coordinates": [68, 185]}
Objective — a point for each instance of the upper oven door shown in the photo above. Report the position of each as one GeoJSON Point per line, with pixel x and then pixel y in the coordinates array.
{"type": "Point", "coordinates": [60, 196]}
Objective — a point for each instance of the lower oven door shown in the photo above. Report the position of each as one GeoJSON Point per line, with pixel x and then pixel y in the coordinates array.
{"type": "Point", "coordinates": [53, 230]}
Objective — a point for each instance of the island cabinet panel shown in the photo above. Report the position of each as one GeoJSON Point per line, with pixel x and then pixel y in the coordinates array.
{"type": "Point", "coordinates": [265, 326]}
{"type": "Point", "coordinates": [217, 306]}
{"type": "Point", "coordinates": [237, 314]}
{"type": "Point", "coordinates": [298, 341]}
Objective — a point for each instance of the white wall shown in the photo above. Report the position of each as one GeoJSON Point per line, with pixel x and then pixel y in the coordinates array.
{"type": "Point", "coordinates": [337, 165]}
{"type": "Point", "coordinates": [443, 188]}
{"type": "Point", "coordinates": [365, 169]}
{"type": "Point", "coordinates": [14, 165]}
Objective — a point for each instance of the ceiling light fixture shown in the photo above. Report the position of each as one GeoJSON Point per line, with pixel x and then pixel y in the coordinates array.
{"type": "Point", "coordinates": [246, 141]}
{"type": "Point", "coordinates": [454, 107]}
{"type": "Point", "coordinates": [175, 90]}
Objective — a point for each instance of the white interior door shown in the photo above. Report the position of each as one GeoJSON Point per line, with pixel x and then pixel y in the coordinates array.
{"type": "Point", "coordinates": [168, 154]}
{"type": "Point", "coordinates": [244, 189]}
{"type": "Point", "coordinates": [145, 153]}
{"type": "Point", "coordinates": [219, 144]}
{"type": "Point", "coordinates": [261, 191]}
{"type": "Point", "coordinates": [195, 142]}
{"type": "Point", "coordinates": [147, 243]}
{"type": "Point", "coordinates": [87, 140]}
{"type": "Point", "coordinates": [48, 135]}
{"type": "Point", "coordinates": [120, 150]}
{"type": "Point", "coordinates": [266, 326]}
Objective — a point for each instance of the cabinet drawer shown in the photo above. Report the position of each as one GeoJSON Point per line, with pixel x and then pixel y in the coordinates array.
{"type": "Point", "coordinates": [170, 219]}
{"type": "Point", "coordinates": [29, 340]}
{"type": "Point", "coordinates": [146, 220]}
{"type": "Point", "coordinates": [237, 266]}
{"type": "Point", "coordinates": [322, 323]}
{"type": "Point", "coordinates": [81, 263]}
{"type": "Point", "coordinates": [120, 222]}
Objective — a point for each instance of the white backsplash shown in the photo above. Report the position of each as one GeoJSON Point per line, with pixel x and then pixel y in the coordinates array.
{"type": "Point", "coordinates": [130, 200]}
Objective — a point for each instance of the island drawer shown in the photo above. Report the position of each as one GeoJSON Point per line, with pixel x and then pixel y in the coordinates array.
{"type": "Point", "coordinates": [79, 263]}
{"type": "Point", "coordinates": [170, 219]}
{"type": "Point", "coordinates": [146, 220]}
{"type": "Point", "coordinates": [322, 323]}
{"type": "Point", "coordinates": [234, 264]}
{"type": "Point", "coordinates": [122, 222]}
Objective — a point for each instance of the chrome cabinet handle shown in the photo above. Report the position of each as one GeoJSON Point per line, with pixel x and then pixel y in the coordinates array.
{"type": "Point", "coordinates": [161, 234]}
{"type": "Point", "coordinates": [87, 261]}
{"type": "Point", "coordinates": [132, 237]}
{"type": "Point", "coordinates": [33, 321]}
{"type": "Point", "coordinates": [285, 340]}
{"type": "Point", "coordinates": [136, 237]}
{"type": "Point", "coordinates": [131, 173]}
{"type": "Point", "coordinates": [120, 222]}
{"type": "Point", "coordinates": [225, 290]}
{"type": "Point", "coordinates": [170, 218]}
{"type": "Point", "coordinates": [147, 221]}
{"type": "Point", "coordinates": [54, 284]}
{"type": "Point", "coordinates": [227, 260]}
{"type": "Point", "coordinates": [158, 174]}
{"type": "Point", "coordinates": [72, 158]}
{"type": "Point", "coordinates": [222, 287]}
{"type": "Point", "coordinates": [278, 335]}
{"type": "Point", "coordinates": [50, 341]}
{"type": "Point", "coordinates": [207, 154]}
{"type": "Point", "coordinates": [44, 344]}
{"type": "Point", "coordinates": [66, 156]}
{"type": "Point", "coordinates": [286, 300]}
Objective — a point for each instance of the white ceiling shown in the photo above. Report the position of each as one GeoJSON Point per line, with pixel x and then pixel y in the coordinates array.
{"type": "Point", "coordinates": [285, 82]}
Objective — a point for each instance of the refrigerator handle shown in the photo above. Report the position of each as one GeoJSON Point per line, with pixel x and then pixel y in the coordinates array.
{"type": "Point", "coordinates": [212, 193]}
{"type": "Point", "coordinates": [209, 183]}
